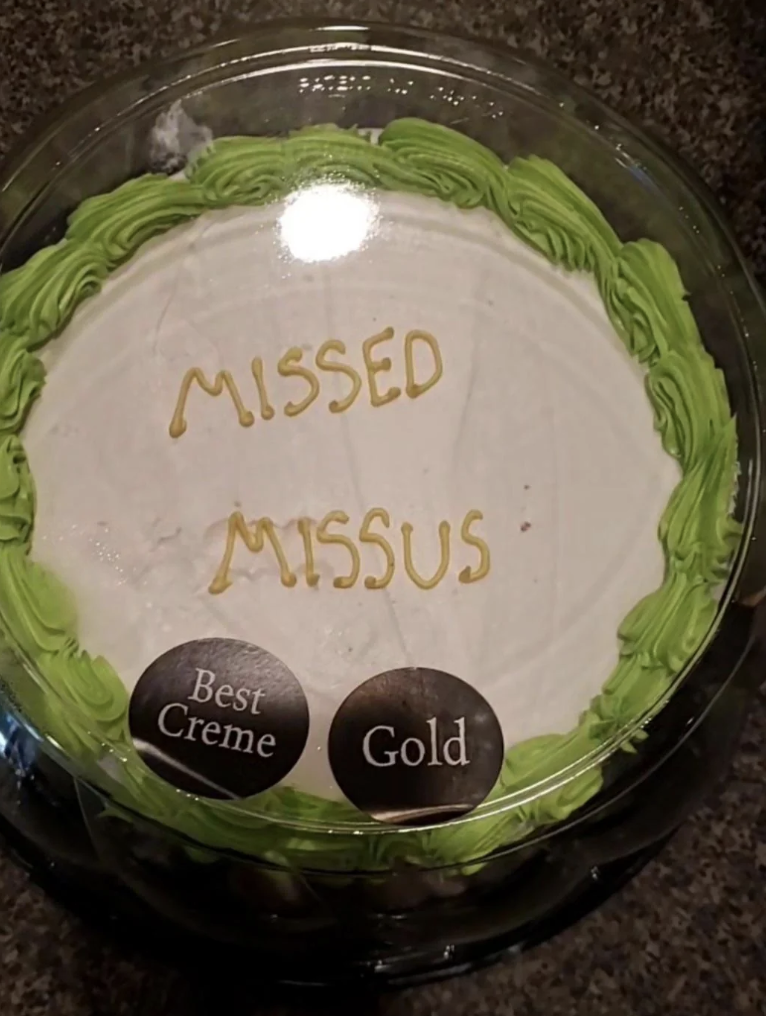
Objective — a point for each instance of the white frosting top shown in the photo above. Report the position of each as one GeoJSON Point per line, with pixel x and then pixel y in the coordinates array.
{"type": "Point", "coordinates": [540, 421]}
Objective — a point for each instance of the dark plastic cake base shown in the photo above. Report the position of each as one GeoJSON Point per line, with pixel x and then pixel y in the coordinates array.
{"type": "Point", "coordinates": [128, 921]}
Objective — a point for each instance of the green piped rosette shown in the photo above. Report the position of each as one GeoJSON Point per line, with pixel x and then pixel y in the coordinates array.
{"type": "Point", "coordinates": [82, 704]}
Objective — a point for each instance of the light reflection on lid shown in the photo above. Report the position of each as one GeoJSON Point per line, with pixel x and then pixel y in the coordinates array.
{"type": "Point", "coordinates": [327, 221]}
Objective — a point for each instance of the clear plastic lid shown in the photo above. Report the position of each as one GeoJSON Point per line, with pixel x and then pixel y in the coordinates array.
{"type": "Point", "coordinates": [386, 483]}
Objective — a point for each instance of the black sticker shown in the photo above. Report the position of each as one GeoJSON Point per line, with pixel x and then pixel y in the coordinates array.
{"type": "Point", "coordinates": [219, 718]}
{"type": "Point", "coordinates": [415, 746]}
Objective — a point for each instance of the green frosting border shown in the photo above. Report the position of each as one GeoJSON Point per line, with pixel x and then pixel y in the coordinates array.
{"type": "Point", "coordinates": [645, 300]}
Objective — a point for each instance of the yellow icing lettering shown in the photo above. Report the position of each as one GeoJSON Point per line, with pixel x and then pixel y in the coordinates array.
{"type": "Point", "coordinates": [335, 346]}
{"type": "Point", "coordinates": [290, 366]}
{"type": "Point", "coordinates": [341, 582]}
{"type": "Point", "coordinates": [253, 535]}
{"type": "Point", "coordinates": [378, 367]}
{"type": "Point", "coordinates": [444, 548]}
{"type": "Point", "coordinates": [414, 389]}
{"type": "Point", "coordinates": [223, 379]}
{"type": "Point", "coordinates": [312, 575]}
{"type": "Point", "coordinates": [365, 536]}
{"type": "Point", "coordinates": [267, 410]}
{"type": "Point", "coordinates": [467, 574]}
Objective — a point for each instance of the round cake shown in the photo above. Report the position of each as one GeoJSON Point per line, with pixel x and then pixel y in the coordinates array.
{"type": "Point", "coordinates": [369, 404]}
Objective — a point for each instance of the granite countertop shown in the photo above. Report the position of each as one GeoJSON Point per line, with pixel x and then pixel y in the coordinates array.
{"type": "Point", "coordinates": [689, 934]}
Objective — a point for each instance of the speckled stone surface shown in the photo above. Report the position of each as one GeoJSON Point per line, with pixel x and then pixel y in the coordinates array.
{"type": "Point", "coordinates": [689, 934]}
